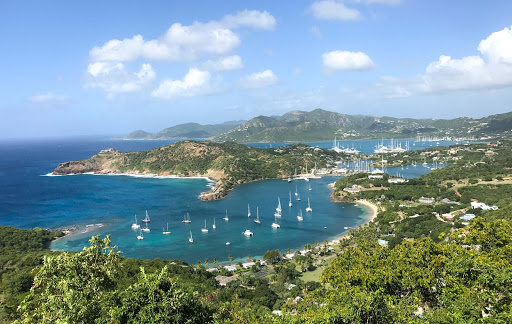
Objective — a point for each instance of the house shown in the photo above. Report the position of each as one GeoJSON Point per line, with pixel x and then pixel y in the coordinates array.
{"type": "Point", "coordinates": [450, 202]}
{"type": "Point", "coordinates": [448, 216]}
{"type": "Point", "coordinates": [247, 265]}
{"type": "Point", "coordinates": [426, 200]}
{"type": "Point", "coordinates": [476, 204]}
{"type": "Point", "coordinates": [468, 217]}
{"type": "Point", "coordinates": [383, 243]}
{"type": "Point", "coordinates": [351, 190]}
{"type": "Point", "coordinates": [230, 267]}
{"type": "Point", "coordinates": [396, 180]}
{"type": "Point", "coordinates": [375, 176]}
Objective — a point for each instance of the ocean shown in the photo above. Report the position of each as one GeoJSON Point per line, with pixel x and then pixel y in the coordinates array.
{"type": "Point", "coordinates": [105, 204]}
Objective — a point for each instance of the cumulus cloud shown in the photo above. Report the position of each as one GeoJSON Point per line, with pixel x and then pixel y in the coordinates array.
{"type": "Point", "coordinates": [114, 78]}
{"type": "Point", "coordinates": [50, 98]}
{"type": "Point", "coordinates": [490, 70]}
{"type": "Point", "coordinates": [259, 80]}
{"type": "Point", "coordinates": [227, 63]}
{"type": "Point", "coordinates": [195, 83]}
{"type": "Point", "coordinates": [387, 2]}
{"type": "Point", "coordinates": [344, 60]}
{"type": "Point", "coordinates": [333, 10]}
{"type": "Point", "coordinates": [185, 42]}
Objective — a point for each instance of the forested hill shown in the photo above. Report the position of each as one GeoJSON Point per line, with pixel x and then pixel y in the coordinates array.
{"type": "Point", "coordinates": [322, 125]}
{"type": "Point", "coordinates": [185, 131]}
{"type": "Point", "coordinates": [227, 163]}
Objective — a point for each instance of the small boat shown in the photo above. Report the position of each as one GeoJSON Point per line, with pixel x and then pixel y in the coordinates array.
{"type": "Point", "coordinates": [186, 219]}
{"type": "Point", "coordinates": [290, 180]}
{"type": "Point", "coordinates": [299, 216]}
{"type": "Point", "coordinates": [248, 233]}
{"type": "Point", "coordinates": [290, 203]}
{"type": "Point", "coordinates": [227, 243]}
{"type": "Point", "coordinates": [204, 230]}
{"type": "Point", "coordinates": [248, 210]}
{"type": "Point", "coordinates": [275, 225]}
{"type": "Point", "coordinates": [226, 218]}
{"type": "Point", "coordinates": [309, 188]}
{"type": "Point", "coordinates": [257, 220]}
{"type": "Point", "coordinates": [146, 229]}
{"type": "Point", "coordinates": [298, 197]}
{"type": "Point", "coordinates": [214, 226]}
{"type": "Point", "coordinates": [166, 231]}
{"type": "Point", "coordinates": [309, 210]}
{"type": "Point", "coordinates": [140, 236]}
{"type": "Point", "coordinates": [278, 208]}
{"type": "Point", "coordinates": [146, 220]}
{"type": "Point", "coordinates": [135, 225]}
{"type": "Point", "coordinates": [190, 239]}
{"type": "Point", "coordinates": [277, 214]}
{"type": "Point", "coordinates": [296, 193]}
{"type": "Point", "coordinates": [325, 227]}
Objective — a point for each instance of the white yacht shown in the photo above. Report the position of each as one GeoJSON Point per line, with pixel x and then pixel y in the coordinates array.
{"type": "Point", "coordinates": [135, 225]}
{"type": "Point", "coordinates": [299, 216]}
{"type": "Point", "coordinates": [205, 229]}
{"type": "Point", "coordinates": [298, 197]}
{"type": "Point", "coordinates": [166, 231]}
{"type": "Point", "coordinates": [190, 239]}
{"type": "Point", "coordinates": [290, 203]}
{"type": "Point", "coordinates": [227, 243]}
{"type": "Point", "coordinates": [214, 226]}
{"type": "Point", "coordinates": [275, 225]}
{"type": "Point", "coordinates": [186, 219]}
{"type": "Point", "coordinates": [296, 193]}
{"type": "Point", "coordinates": [257, 220]}
{"type": "Point", "coordinates": [140, 236]}
{"type": "Point", "coordinates": [278, 208]}
{"type": "Point", "coordinates": [146, 220]}
{"type": "Point", "coordinates": [309, 210]}
{"type": "Point", "coordinates": [226, 218]}
{"type": "Point", "coordinates": [145, 229]}
{"type": "Point", "coordinates": [248, 210]}
{"type": "Point", "coordinates": [248, 233]}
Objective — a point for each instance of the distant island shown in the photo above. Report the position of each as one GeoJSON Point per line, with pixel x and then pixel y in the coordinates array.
{"type": "Point", "coordinates": [323, 125]}
{"type": "Point", "coordinates": [229, 164]}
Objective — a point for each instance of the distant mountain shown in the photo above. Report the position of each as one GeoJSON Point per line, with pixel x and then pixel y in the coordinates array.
{"type": "Point", "coordinates": [321, 125]}
{"type": "Point", "coordinates": [186, 131]}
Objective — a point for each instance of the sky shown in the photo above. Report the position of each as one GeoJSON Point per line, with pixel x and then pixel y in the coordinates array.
{"type": "Point", "coordinates": [73, 68]}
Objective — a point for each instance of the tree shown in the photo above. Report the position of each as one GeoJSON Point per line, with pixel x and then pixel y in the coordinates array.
{"type": "Point", "coordinates": [73, 287]}
{"type": "Point", "coordinates": [216, 261]}
{"type": "Point", "coordinates": [230, 257]}
{"type": "Point", "coordinates": [271, 256]}
{"type": "Point", "coordinates": [249, 257]}
{"type": "Point", "coordinates": [206, 262]}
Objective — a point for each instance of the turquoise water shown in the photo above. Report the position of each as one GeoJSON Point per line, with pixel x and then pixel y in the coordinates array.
{"type": "Point", "coordinates": [106, 205]}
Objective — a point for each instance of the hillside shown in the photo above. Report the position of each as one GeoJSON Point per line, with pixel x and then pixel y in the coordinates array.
{"type": "Point", "coordinates": [185, 131]}
{"type": "Point", "coordinates": [322, 125]}
{"type": "Point", "coordinates": [227, 163]}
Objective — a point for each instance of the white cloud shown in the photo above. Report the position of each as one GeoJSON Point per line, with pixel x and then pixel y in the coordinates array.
{"type": "Point", "coordinates": [227, 63]}
{"type": "Point", "coordinates": [333, 10]}
{"type": "Point", "coordinates": [114, 78]}
{"type": "Point", "coordinates": [195, 83]}
{"type": "Point", "coordinates": [344, 60]}
{"type": "Point", "coordinates": [316, 32]}
{"type": "Point", "coordinates": [490, 70]}
{"type": "Point", "coordinates": [250, 18]}
{"type": "Point", "coordinates": [50, 98]}
{"type": "Point", "coordinates": [185, 42]}
{"type": "Point", "coordinates": [259, 80]}
{"type": "Point", "coordinates": [387, 2]}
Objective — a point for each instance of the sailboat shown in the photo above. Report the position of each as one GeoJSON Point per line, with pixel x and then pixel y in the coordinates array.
{"type": "Point", "coordinates": [299, 216]}
{"type": "Point", "coordinates": [226, 218]}
{"type": "Point", "coordinates": [290, 203]}
{"type": "Point", "coordinates": [204, 230]}
{"type": "Point", "coordinates": [298, 197]}
{"type": "Point", "coordinates": [248, 233]}
{"type": "Point", "coordinates": [275, 225]}
{"type": "Point", "coordinates": [186, 219]}
{"type": "Point", "coordinates": [166, 231]}
{"type": "Point", "coordinates": [135, 225]}
{"type": "Point", "coordinates": [309, 210]}
{"type": "Point", "coordinates": [146, 229]}
{"type": "Point", "coordinates": [214, 226]}
{"type": "Point", "coordinates": [296, 193]}
{"type": "Point", "coordinates": [257, 220]}
{"type": "Point", "coordinates": [140, 236]}
{"type": "Point", "coordinates": [278, 209]}
{"type": "Point", "coordinates": [146, 220]}
{"type": "Point", "coordinates": [248, 210]}
{"type": "Point", "coordinates": [190, 239]}
{"type": "Point", "coordinates": [309, 188]}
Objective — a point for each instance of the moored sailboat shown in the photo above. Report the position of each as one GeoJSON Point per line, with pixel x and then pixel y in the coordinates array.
{"type": "Point", "coordinates": [205, 229]}
{"type": "Point", "coordinates": [166, 231]}
{"type": "Point", "coordinates": [135, 225]}
{"type": "Point", "coordinates": [257, 220]}
{"type": "Point", "coordinates": [140, 236]}
{"type": "Point", "coordinates": [290, 203]}
{"type": "Point", "coordinates": [190, 239]}
{"type": "Point", "coordinates": [146, 220]}
{"type": "Point", "coordinates": [299, 216]}
{"type": "Point", "coordinates": [226, 218]}
{"type": "Point", "coordinates": [248, 210]}
{"type": "Point", "coordinates": [308, 209]}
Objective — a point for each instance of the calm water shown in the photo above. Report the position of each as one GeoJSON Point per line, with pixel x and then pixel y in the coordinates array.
{"type": "Point", "coordinates": [29, 199]}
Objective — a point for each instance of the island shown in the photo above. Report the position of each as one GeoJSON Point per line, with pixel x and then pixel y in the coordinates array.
{"type": "Point", "coordinates": [228, 164]}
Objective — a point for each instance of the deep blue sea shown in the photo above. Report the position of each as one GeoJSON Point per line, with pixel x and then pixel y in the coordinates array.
{"type": "Point", "coordinates": [107, 204]}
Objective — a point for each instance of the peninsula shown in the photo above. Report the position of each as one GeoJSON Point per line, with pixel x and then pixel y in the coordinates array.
{"type": "Point", "coordinates": [228, 164]}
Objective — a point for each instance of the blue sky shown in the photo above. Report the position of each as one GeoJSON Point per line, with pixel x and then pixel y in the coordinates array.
{"type": "Point", "coordinates": [110, 67]}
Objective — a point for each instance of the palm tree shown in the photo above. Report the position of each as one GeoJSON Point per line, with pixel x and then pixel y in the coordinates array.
{"type": "Point", "coordinates": [230, 257]}
{"type": "Point", "coordinates": [215, 261]}
{"type": "Point", "coordinates": [206, 262]}
{"type": "Point", "coordinates": [199, 264]}
{"type": "Point", "coordinates": [249, 257]}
